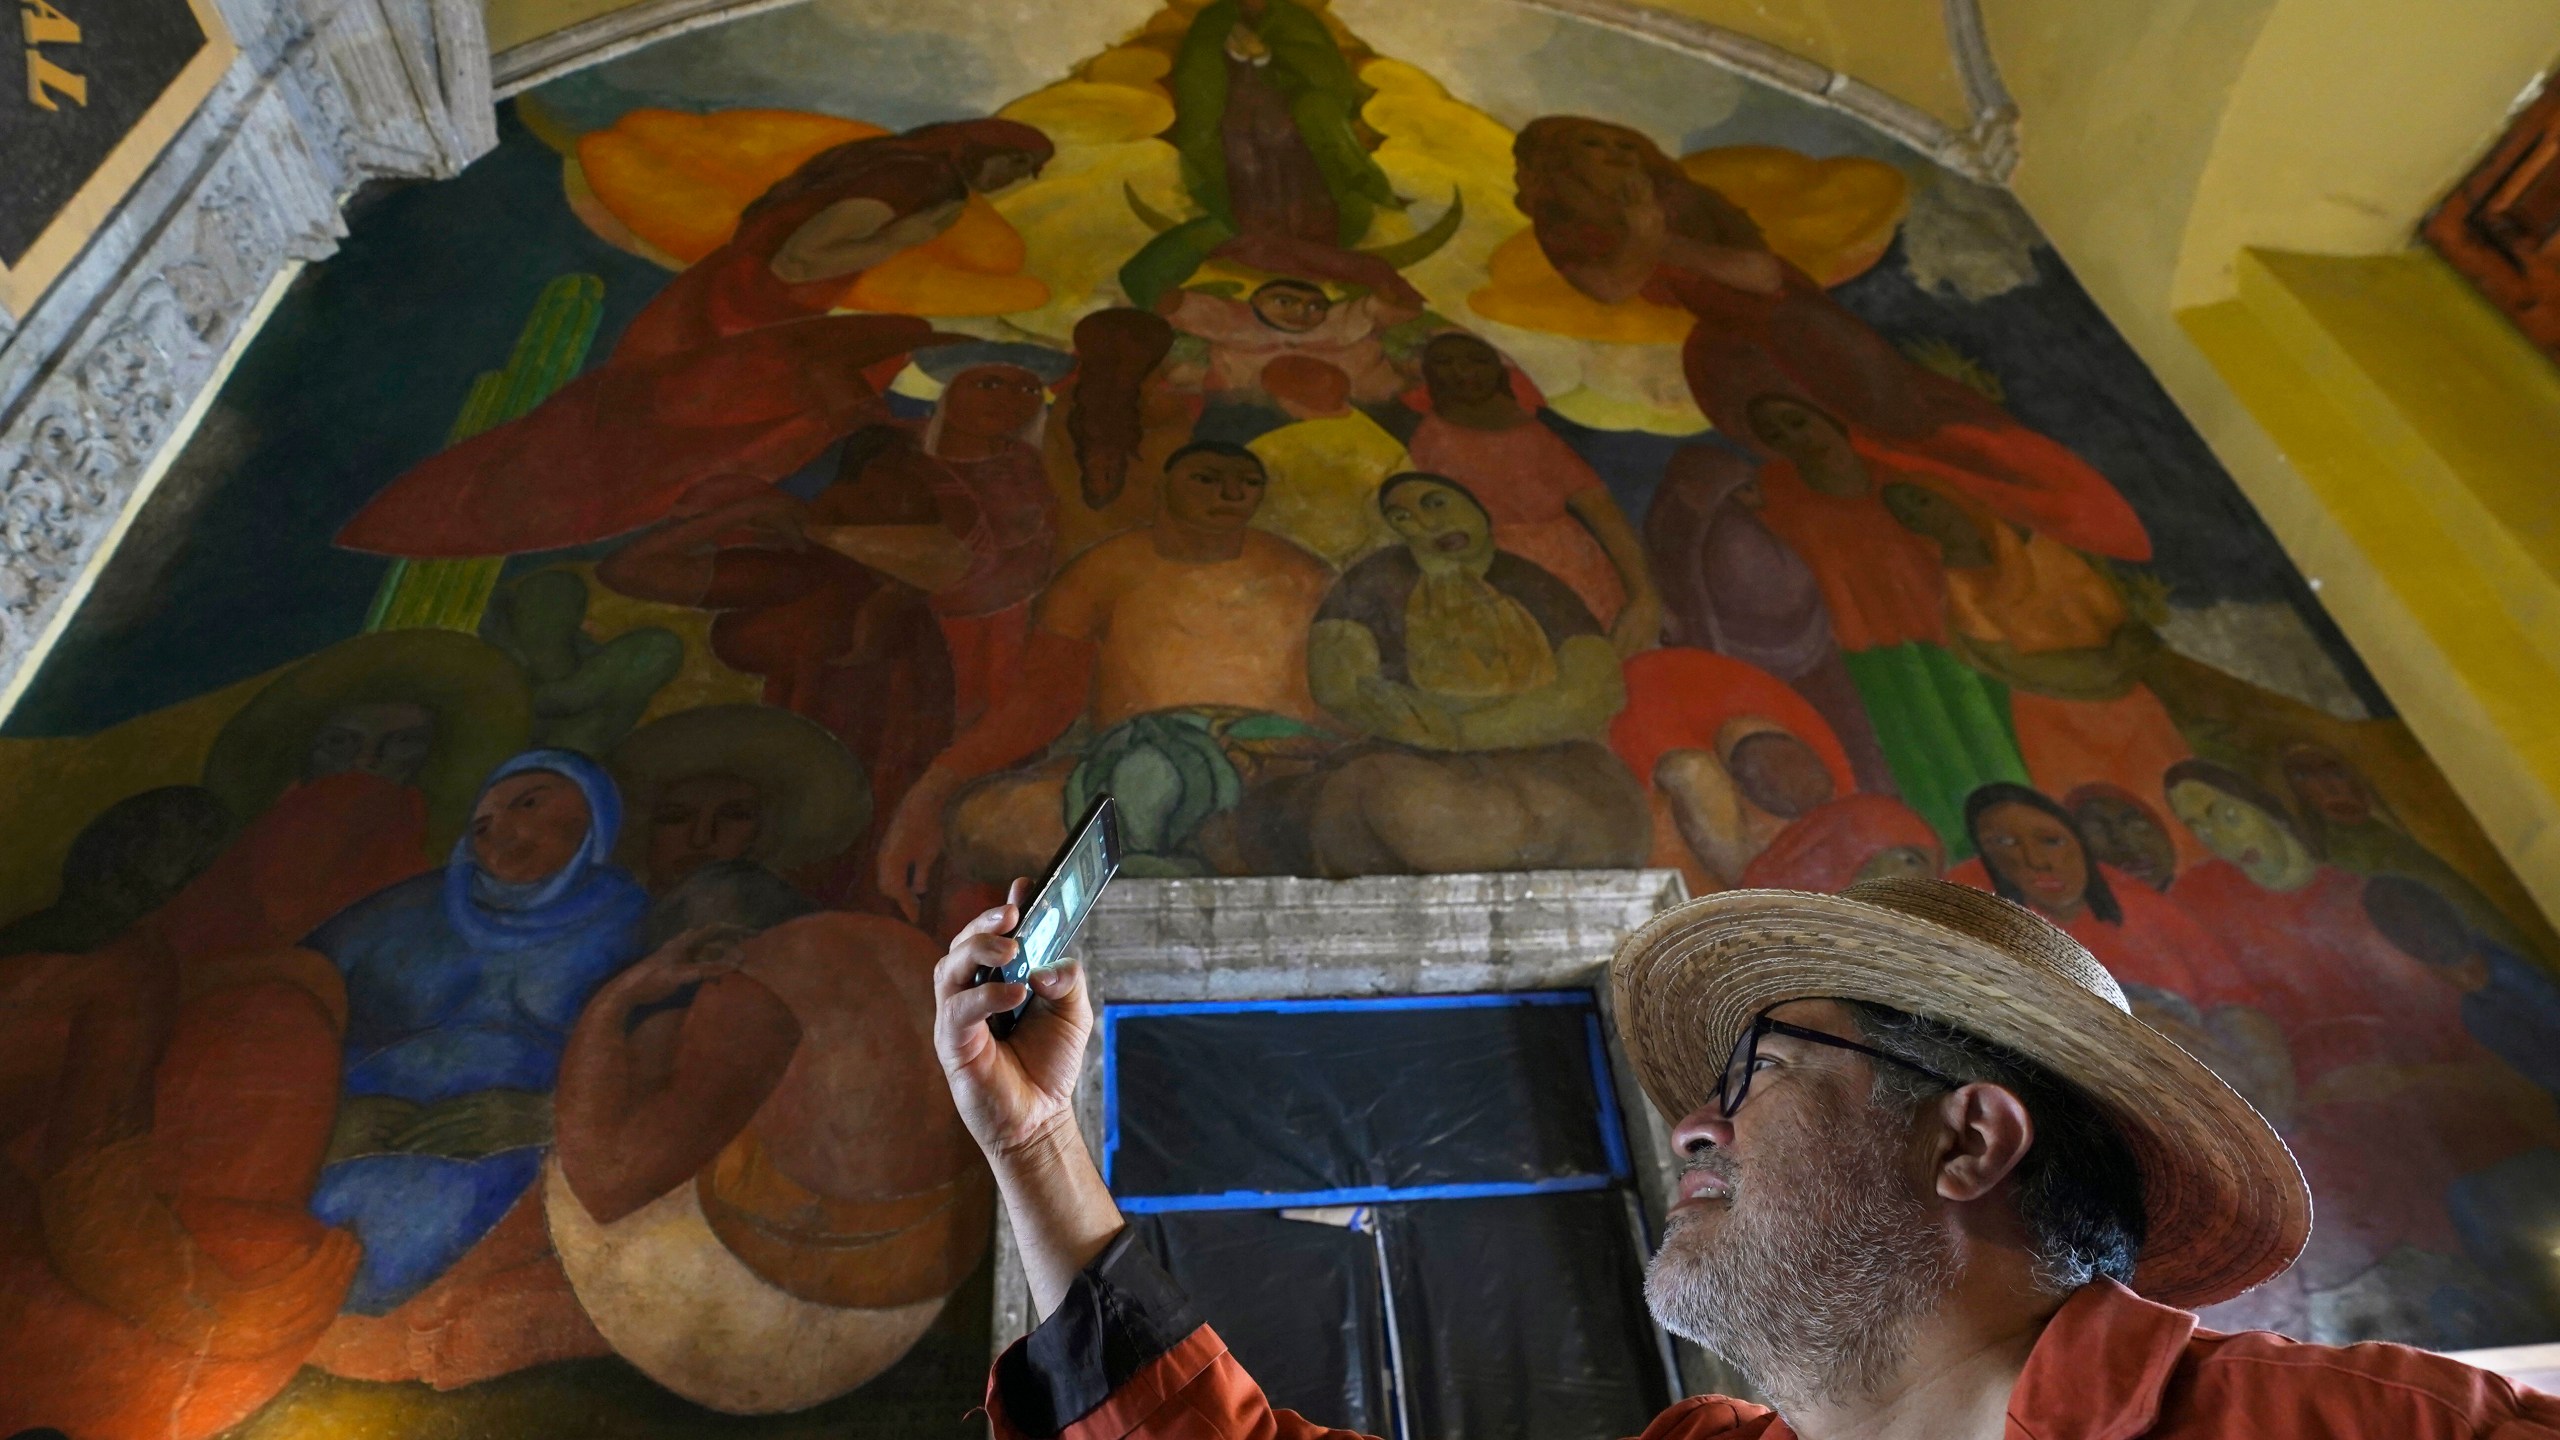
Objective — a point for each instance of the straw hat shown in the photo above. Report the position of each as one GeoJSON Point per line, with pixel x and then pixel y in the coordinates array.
{"type": "Point", "coordinates": [816, 799]}
{"type": "Point", "coordinates": [2225, 1202]}
{"type": "Point", "coordinates": [482, 708]}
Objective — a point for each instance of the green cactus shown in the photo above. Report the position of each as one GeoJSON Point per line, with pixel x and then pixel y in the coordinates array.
{"type": "Point", "coordinates": [451, 594]}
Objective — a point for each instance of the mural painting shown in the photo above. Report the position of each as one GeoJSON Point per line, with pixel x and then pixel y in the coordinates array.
{"type": "Point", "coordinates": [483, 842]}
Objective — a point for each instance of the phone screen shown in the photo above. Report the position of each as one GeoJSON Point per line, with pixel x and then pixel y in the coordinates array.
{"type": "Point", "coordinates": [1051, 920]}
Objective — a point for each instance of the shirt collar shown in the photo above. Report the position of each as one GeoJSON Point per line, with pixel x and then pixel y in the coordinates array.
{"type": "Point", "coordinates": [2097, 1371]}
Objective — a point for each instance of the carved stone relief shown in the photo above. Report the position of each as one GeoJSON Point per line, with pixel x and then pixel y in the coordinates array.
{"type": "Point", "coordinates": [97, 376]}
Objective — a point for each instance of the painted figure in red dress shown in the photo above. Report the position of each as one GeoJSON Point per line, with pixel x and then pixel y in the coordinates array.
{"type": "Point", "coordinates": [165, 1102]}
{"type": "Point", "coordinates": [736, 368]}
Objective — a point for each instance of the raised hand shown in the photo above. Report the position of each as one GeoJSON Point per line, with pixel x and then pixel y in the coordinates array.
{"type": "Point", "coordinates": [1012, 1092]}
{"type": "Point", "coordinates": [1017, 1096]}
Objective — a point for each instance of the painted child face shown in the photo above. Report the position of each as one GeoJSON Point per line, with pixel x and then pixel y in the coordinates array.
{"type": "Point", "coordinates": [1805, 435]}
{"type": "Point", "coordinates": [1296, 309]}
{"type": "Point", "coordinates": [1927, 513]}
{"type": "Point", "coordinates": [2123, 834]}
{"type": "Point", "coordinates": [1209, 491]}
{"type": "Point", "coordinates": [1004, 168]}
{"type": "Point", "coordinates": [390, 738]}
{"type": "Point", "coordinates": [1438, 523]}
{"type": "Point", "coordinates": [2243, 834]}
{"type": "Point", "coordinates": [992, 401]}
{"type": "Point", "coordinates": [2328, 788]}
{"type": "Point", "coordinates": [1461, 369]}
{"type": "Point", "coordinates": [2037, 855]}
{"type": "Point", "coordinates": [1779, 773]}
{"type": "Point", "coordinates": [1605, 156]}
{"type": "Point", "coordinates": [529, 827]}
{"type": "Point", "coordinates": [701, 819]}
{"type": "Point", "coordinates": [1900, 862]}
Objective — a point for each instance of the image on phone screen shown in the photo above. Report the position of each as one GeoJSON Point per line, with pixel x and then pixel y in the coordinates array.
{"type": "Point", "coordinates": [1050, 923]}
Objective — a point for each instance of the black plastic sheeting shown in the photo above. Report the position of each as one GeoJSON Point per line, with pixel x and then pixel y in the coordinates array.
{"type": "Point", "coordinates": [1517, 1318]}
{"type": "Point", "coordinates": [1298, 1303]}
{"type": "Point", "coordinates": [1299, 1101]}
{"type": "Point", "coordinates": [1522, 1318]}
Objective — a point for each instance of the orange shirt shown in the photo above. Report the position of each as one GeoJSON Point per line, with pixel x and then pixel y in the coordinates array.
{"type": "Point", "coordinates": [1119, 1360]}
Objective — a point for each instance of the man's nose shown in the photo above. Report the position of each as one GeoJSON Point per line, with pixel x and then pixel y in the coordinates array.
{"type": "Point", "coordinates": [1702, 1129]}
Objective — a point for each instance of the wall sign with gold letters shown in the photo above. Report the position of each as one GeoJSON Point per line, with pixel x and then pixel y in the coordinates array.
{"type": "Point", "coordinates": [93, 92]}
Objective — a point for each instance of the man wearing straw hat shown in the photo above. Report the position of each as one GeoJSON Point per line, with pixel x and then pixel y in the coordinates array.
{"type": "Point", "coordinates": [1938, 1182]}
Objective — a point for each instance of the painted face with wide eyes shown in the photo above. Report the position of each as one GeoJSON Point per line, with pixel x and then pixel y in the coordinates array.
{"type": "Point", "coordinates": [992, 400]}
{"type": "Point", "coordinates": [1295, 309]}
{"type": "Point", "coordinates": [1899, 862]}
{"type": "Point", "coordinates": [1437, 522]}
{"type": "Point", "coordinates": [2037, 856]}
{"type": "Point", "coordinates": [529, 827]}
{"type": "Point", "coordinates": [2243, 834]}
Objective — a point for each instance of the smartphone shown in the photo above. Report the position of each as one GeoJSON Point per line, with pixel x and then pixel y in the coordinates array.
{"type": "Point", "coordinates": [1067, 894]}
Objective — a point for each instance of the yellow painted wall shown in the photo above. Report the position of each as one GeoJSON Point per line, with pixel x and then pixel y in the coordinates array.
{"type": "Point", "coordinates": [2396, 435]}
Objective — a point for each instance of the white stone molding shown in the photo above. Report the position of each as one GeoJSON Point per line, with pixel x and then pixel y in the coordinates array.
{"type": "Point", "coordinates": [519, 68]}
{"type": "Point", "coordinates": [1273, 939]}
{"type": "Point", "coordinates": [1985, 150]}
{"type": "Point", "coordinates": [102, 373]}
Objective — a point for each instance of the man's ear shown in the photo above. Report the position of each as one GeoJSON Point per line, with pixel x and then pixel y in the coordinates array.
{"type": "Point", "coordinates": [1985, 1131]}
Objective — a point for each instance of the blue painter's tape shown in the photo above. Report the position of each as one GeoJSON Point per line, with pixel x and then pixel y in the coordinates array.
{"type": "Point", "coordinates": [1359, 1195]}
{"type": "Point", "coordinates": [1613, 1130]}
{"type": "Point", "coordinates": [1354, 1002]}
{"type": "Point", "coordinates": [1110, 1097]}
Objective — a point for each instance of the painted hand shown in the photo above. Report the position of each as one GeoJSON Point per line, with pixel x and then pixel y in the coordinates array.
{"type": "Point", "coordinates": [913, 841]}
{"type": "Point", "coordinates": [705, 952]}
{"type": "Point", "coordinates": [1638, 626]}
{"type": "Point", "coordinates": [1014, 1091]}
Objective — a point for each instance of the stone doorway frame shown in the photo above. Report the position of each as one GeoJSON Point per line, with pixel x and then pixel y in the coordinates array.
{"type": "Point", "coordinates": [1382, 936]}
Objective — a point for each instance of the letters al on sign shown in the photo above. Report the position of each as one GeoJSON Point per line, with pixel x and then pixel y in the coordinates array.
{"type": "Point", "coordinates": [91, 91]}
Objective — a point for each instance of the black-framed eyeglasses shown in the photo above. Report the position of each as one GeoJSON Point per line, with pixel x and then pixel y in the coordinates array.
{"type": "Point", "coordinates": [1734, 1085]}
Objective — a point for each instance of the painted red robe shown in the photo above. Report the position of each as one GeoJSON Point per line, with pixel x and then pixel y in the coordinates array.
{"type": "Point", "coordinates": [166, 1285]}
{"type": "Point", "coordinates": [729, 371]}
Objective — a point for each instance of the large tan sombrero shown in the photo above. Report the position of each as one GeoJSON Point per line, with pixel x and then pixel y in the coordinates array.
{"type": "Point", "coordinates": [482, 708]}
{"type": "Point", "coordinates": [2225, 1202]}
{"type": "Point", "coordinates": [817, 801]}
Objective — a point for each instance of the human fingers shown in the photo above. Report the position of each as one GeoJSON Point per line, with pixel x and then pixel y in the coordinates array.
{"type": "Point", "coordinates": [958, 969]}
{"type": "Point", "coordinates": [965, 1013]}
{"type": "Point", "coordinates": [1058, 981]}
{"type": "Point", "coordinates": [995, 919]}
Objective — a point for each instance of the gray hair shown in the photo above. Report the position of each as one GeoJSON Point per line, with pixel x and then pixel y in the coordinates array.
{"type": "Point", "coordinates": [2079, 1191]}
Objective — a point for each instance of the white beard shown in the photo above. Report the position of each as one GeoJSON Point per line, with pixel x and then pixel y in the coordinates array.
{"type": "Point", "coordinates": [1815, 1277]}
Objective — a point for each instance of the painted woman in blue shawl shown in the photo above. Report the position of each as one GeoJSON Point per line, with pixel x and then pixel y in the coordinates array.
{"type": "Point", "coordinates": [461, 989]}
